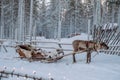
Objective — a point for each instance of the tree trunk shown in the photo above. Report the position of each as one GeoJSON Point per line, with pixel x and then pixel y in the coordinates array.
{"type": "Point", "coordinates": [2, 20]}
{"type": "Point", "coordinates": [31, 19]}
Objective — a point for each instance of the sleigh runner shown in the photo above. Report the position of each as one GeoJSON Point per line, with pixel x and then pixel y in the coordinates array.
{"type": "Point", "coordinates": [33, 54]}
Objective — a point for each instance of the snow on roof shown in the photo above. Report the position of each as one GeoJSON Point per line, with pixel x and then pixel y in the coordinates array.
{"type": "Point", "coordinates": [110, 26]}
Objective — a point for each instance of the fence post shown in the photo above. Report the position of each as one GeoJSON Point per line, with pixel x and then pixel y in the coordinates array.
{"type": "Point", "coordinates": [119, 19]}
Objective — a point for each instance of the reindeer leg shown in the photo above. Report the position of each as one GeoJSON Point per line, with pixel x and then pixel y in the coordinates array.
{"type": "Point", "coordinates": [74, 60]}
{"type": "Point", "coordinates": [88, 57]}
{"type": "Point", "coordinates": [87, 60]}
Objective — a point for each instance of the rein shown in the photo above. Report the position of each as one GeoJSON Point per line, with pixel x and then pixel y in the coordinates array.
{"type": "Point", "coordinates": [95, 45]}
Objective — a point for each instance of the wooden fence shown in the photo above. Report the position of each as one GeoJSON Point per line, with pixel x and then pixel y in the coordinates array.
{"type": "Point", "coordinates": [6, 74]}
{"type": "Point", "coordinates": [33, 43]}
{"type": "Point", "coordinates": [107, 34]}
{"type": "Point", "coordinates": [110, 37]}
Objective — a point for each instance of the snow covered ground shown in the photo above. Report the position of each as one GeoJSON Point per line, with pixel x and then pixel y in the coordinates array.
{"type": "Point", "coordinates": [102, 67]}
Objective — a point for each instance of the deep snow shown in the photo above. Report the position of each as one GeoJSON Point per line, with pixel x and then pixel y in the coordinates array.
{"type": "Point", "coordinates": [102, 67]}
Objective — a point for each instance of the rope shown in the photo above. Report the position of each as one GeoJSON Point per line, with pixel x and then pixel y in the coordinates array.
{"type": "Point", "coordinates": [72, 53]}
{"type": "Point", "coordinates": [95, 55]}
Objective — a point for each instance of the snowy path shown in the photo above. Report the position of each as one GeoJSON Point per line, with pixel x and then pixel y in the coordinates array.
{"type": "Point", "coordinates": [102, 67]}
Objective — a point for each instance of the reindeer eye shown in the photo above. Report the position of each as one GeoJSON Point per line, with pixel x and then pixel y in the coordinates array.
{"type": "Point", "coordinates": [50, 57]}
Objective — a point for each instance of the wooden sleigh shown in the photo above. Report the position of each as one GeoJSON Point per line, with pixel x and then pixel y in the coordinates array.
{"type": "Point", "coordinates": [33, 54]}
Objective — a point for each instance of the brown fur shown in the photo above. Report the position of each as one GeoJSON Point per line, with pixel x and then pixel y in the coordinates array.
{"type": "Point", "coordinates": [88, 46]}
{"type": "Point", "coordinates": [37, 55]}
{"type": "Point", "coordinates": [21, 54]}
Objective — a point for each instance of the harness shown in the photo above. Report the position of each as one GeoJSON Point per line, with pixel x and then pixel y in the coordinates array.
{"type": "Point", "coordinates": [92, 48]}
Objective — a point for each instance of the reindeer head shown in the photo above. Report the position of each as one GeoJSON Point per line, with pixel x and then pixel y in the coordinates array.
{"type": "Point", "coordinates": [104, 45]}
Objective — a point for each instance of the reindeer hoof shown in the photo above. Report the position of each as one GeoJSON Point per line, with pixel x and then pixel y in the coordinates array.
{"type": "Point", "coordinates": [87, 62]}
{"type": "Point", "coordinates": [74, 62]}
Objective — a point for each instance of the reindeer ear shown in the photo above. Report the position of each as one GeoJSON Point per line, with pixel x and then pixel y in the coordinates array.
{"type": "Point", "coordinates": [103, 43]}
{"type": "Point", "coordinates": [29, 45]}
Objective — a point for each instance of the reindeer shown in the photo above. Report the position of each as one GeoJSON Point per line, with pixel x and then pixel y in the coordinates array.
{"type": "Point", "coordinates": [87, 46]}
